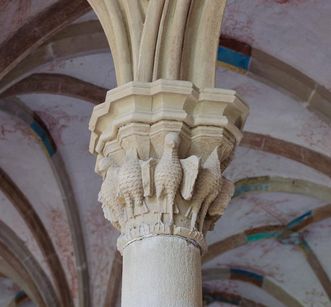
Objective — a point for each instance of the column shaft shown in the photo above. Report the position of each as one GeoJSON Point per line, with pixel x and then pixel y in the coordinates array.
{"type": "Point", "coordinates": [161, 271]}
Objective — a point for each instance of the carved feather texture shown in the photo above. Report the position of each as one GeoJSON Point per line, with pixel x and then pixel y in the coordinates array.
{"type": "Point", "coordinates": [130, 181]}
{"type": "Point", "coordinates": [190, 173]}
{"type": "Point", "coordinates": [206, 190]}
{"type": "Point", "coordinates": [147, 171]}
{"type": "Point", "coordinates": [224, 197]}
{"type": "Point", "coordinates": [108, 196]}
{"type": "Point", "coordinates": [168, 172]}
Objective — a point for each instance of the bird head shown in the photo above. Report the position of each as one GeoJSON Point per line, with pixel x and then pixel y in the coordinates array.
{"type": "Point", "coordinates": [103, 164]}
{"type": "Point", "coordinates": [172, 140]}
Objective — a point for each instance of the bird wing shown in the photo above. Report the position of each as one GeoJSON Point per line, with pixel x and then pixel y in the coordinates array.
{"type": "Point", "coordinates": [222, 200]}
{"type": "Point", "coordinates": [190, 168]}
{"type": "Point", "coordinates": [147, 172]}
{"type": "Point", "coordinates": [109, 187]}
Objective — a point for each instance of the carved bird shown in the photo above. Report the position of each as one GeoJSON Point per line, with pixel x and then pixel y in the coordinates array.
{"type": "Point", "coordinates": [102, 165]}
{"type": "Point", "coordinates": [108, 195]}
{"type": "Point", "coordinates": [207, 188]}
{"type": "Point", "coordinates": [168, 175]}
{"type": "Point", "coordinates": [130, 182]}
{"type": "Point", "coordinates": [222, 200]}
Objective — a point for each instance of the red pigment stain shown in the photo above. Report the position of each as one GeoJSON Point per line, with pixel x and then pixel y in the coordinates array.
{"type": "Point", "coordinates": [101, 246]}
{"type": "Point", "coordinates": [315, 297]}
{"type": "Point", "coordinates": [268, 207]}
{"type": "Point", "coordinates": [9, 285]}
{"type": "Point", "coordinates": [62, 237]}
{"type": "Point", "coordinates": [260, 250]}
{"type": "Point", "coordinates": [315, 132]}
{"type": "Point", "coordinates": [55, 124]}
{"type": "Point", "coordinates": [4, 3]}
{"type": "Point", "coordinates": [238, 23]}
{"type": "Point", "coordinates": [22, 13]}
{"type": "Point", "coordinates": [52, 66]}
{"type": "Point", "coordinates": [18, 127]}
{"type": "Point", "coordinates": [226, 285]}
{"type": "Point", "coordinates": [57, 121]}
{"type": "Point", "coordinates": [295, 2]}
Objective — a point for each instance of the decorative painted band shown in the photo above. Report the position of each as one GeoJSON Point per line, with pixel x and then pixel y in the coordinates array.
{"type": "Point", "coordinates": [251, 277]}
{"type": "Point", "coordinates": [282, 184]}
{"type": "Point", "coordinates": [239, 274]}
{"type": "Point", "coordinates": [44, 137]}
{"type": "Point", "coordinates": [293, 226]}
{"type": "Point", "coordinates": [210, 297]}
{"type": "Point", "coordinates": [233, 58]}
{"type": "Point", "coordinates": [286, 234]}
{"type": "Point", "coordinates": [300, 219]}
{"type": "Point", "coordinates": [21, 297]}
{"type": "Point", "coordinates": [221, 297]}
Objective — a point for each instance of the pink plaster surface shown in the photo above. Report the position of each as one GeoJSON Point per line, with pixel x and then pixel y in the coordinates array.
{"type": "Point", "coordinates": [11, 217]}
{"type": "Point", "coordinates": [97, 69]}
{"type": "Point", "coordinates": [8, 290]}
{"type": "Point", "coordinates": [24, 160]}
{"type": "Point", "coordinates": [68, 124]}
{"type": "Point", "coordinates": [57, 120]}
{"type": "Point", "coordinates": [250, 163]}
{"type": "Point", "coordinates": [18, 127]}
{"type": "Point", "coordinates": [318, 237]}
{"type": "Point", "coordinates": [285, 265]}
{"type": "Point", "coordinates": [295, 31]}
{"type": "Point", "coordinates": [254, 209]}
{"type": "Point", "coordinates": [62, 239]}
{"type": "Point", "coordinates": [275, 113]}
{"type": "Point", "coordinates": [101, 251]}
{"type": "Point", "coordinates": [243, 289]}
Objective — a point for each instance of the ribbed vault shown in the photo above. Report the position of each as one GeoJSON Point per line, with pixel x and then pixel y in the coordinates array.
{"type": "Point", "coordinates": [55, 64]}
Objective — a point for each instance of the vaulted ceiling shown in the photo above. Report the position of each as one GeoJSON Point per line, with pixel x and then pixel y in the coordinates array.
{"type": "Point", "coordinates": [271, 247]}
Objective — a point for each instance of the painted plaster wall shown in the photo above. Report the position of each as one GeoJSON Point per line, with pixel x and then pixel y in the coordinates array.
{"type": "Point", "coordinates": [67, 120]}
{"type": "Point", "coordinates": [97, 69]}
{"type": "Point", "coordinates": [294, 31]}
{"type": "Point", "coordinates": [11, 217]}
{"type": "Point", "coordinates": [284, 264]}
{"type": "Point", "coordinates": [318, 238]}
{"type": "Point", "coordinates": [219, 305]}
{"type": "Point", "coordinates": [259, 209]}
{"type": "Point", "coordinates": [277, 114]}
{"type": "Point", "coordinates": [33, 175]}
{"type": "Point", "coordinates": [8, 290]}
{"type": "Point", "coordinates": [243, 289]}
{"type": "Point", "coordinates": [253, 163]}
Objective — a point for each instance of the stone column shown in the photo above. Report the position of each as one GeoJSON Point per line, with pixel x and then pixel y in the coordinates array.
{"type": "Point", "coordinates": [163, 139]}
{"type": "Point", "coordinates": [162, 271]}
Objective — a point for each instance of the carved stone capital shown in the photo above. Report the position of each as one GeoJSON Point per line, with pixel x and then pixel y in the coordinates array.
{"type": "Point", "coordinates": [161, 149]}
